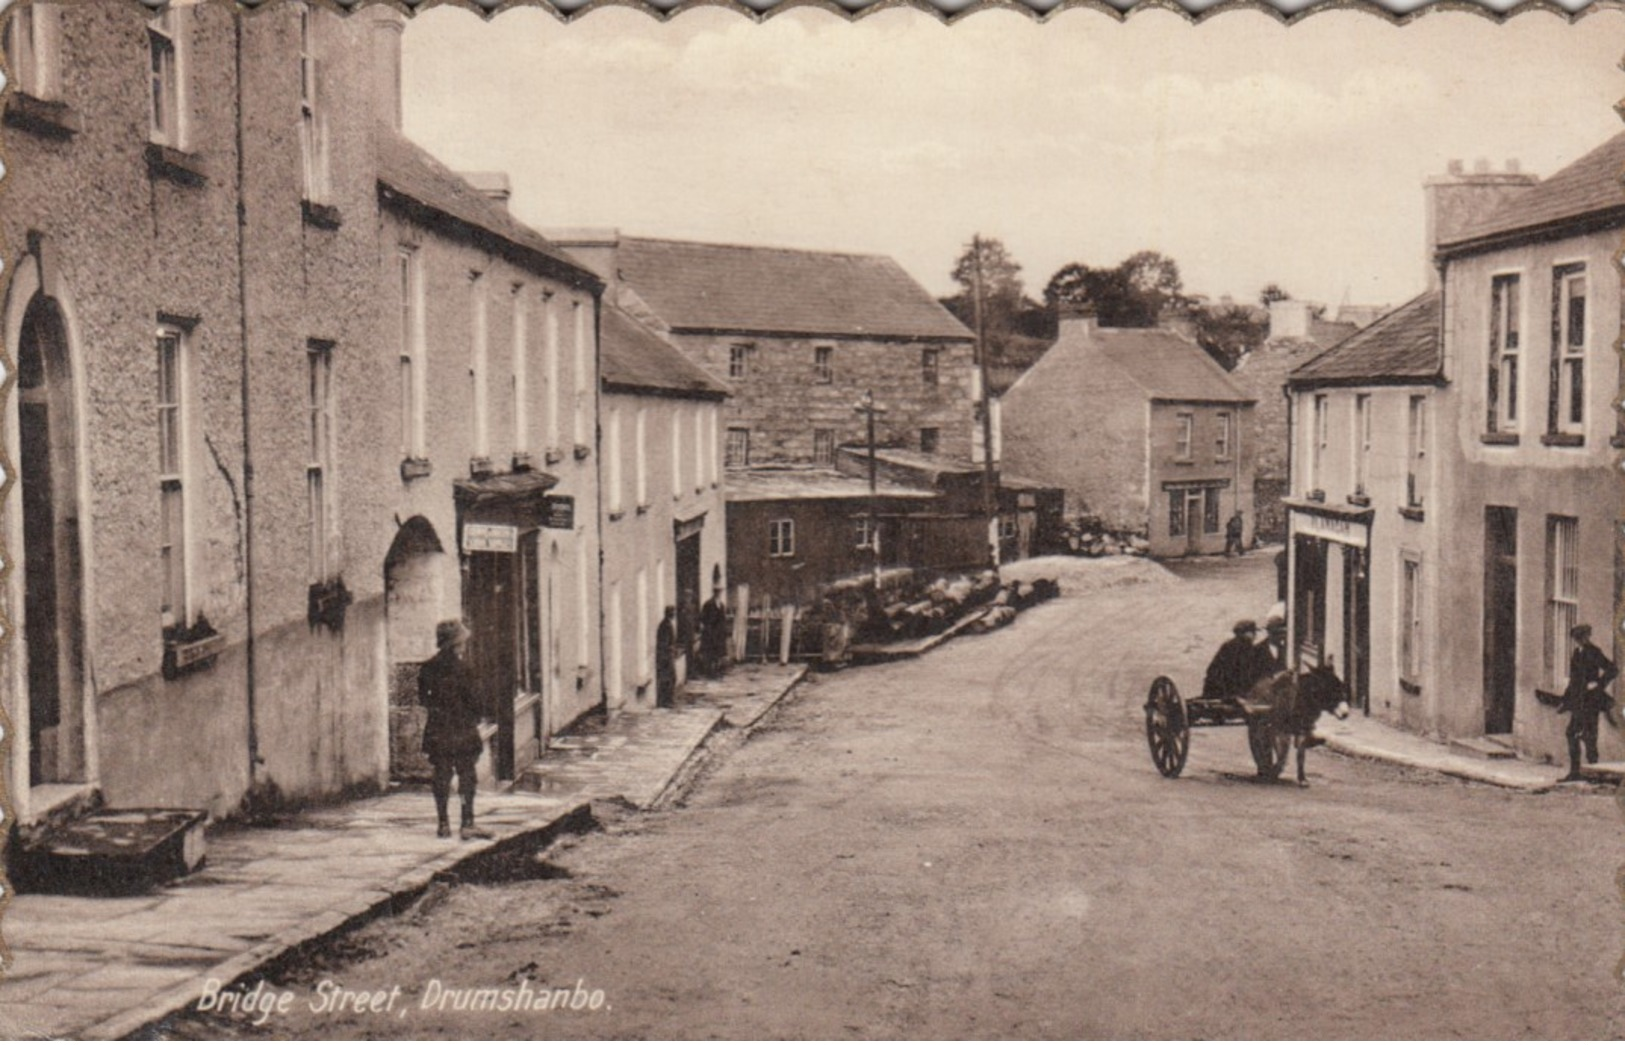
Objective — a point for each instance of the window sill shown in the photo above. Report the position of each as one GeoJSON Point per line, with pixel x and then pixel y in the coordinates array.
{"type": "Point", "coordinates": [582, 451]}
{"type": "Point", "coordinates": [191, 649]}
{"type": "Point", "coordinates": [1562, 439]}
{"type": "Point", "coordinates": [522, 461]}
{"type": "Point", "coordinates": [1184, 462]}
{"type": "Point", "coordinates": [479, 467]}
{"type": "Point", "coordinates": [44, 118]}
{"type": "Point", "coordinates": [700, 488]}
{"type": "Point", "coordinates": [321, 215]}
{"type": "Point", "coordinates": [1499, 438]}
{"type": "Point", "coordinates": [1318, 496]}
{"type": "Point", "coordinates": [553, 455]}
{"type": "Point", "coordinates": [643, 509]}
{"type": "Point", "coordinates": [328, 602]}
{"type": "Point", "coordinates": [1414, 514]}
{"type": "Point", "coordinates": [616, 515]}
{"type": "Point", "coordinates": [1412, 688]}
{"type": "Point", "coordinates": [1360, 500]}
{"type": "Point", "coordinates": [183, 168]}
{"type": "Point", "coordinates": [415, 468]}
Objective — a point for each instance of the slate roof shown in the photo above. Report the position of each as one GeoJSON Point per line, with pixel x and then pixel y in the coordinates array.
{"type": "Point", "coordinates": [1164, 365]}
{"type": "Point", "coordinates": [1588, 186]}
{"type": "Point", "coordinates": [635, 358]}
{"type": "Point", "coordinates": [810, 484]}
{"type": "Point", "coordinates": [767, 290]}
{"type": "Point", "coordinates": [1401, 346]}
{"type": "Point", "coordinates": [407, 170]}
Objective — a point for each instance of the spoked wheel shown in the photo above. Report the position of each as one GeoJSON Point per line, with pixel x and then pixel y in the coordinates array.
{"type": "Point", "coordinates": [1167, 727]}
{"type": "Point", "coordinates": [1270, 748]}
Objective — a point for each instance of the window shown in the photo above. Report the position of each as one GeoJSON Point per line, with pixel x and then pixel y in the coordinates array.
{"type": "Point", "coordinates": [31, 50]}
{"type": "Point", "coordinates": [645, 659]}
{"type": "Point", "coordinates": [312, 121]}
{"type": "Point", "coordinates": [172, 478]}
{"type": "Point", "coordinates": [612, 453]}
{"type": "Point", "coordinates": [781, 538]}
{"type": "Point", "coordinates": [711, 450]}
{"type": "Point", "coordinates": [1362, 443]}
{"type": "Point", "coordinates": [1221, 443]}
{"type": "Point", "coordinates": [676, 454]}
{"type": "Point", "coordinates": [863, 534]}
{"type": "Point", "coordinates": [1567, 399]}
{"type": "Point", "coordinates": [521, 371]}
{"type": "Point", "coordinates": [579, 373]}
{"type": "Point", "coordinates": [478, 367]}
{"type": "Point", "coordinates": [1416, 439]}
{"type": "Point", "coordinates": [1410, 621]}
{"type": "Point", "coordinates": [640, 438]}
{"type": "Point", "coordinates": [738, 450]}
{"type": "Point", "coordinates": [319, 466]}
{"type": "Point", "coordinates": [1505, 321]}
{"type": "Point", "coordinates": [1176, 513]}
{"type": "Point", "coordinates": [739, 361]}
{"type": "Point", "coordinates": [699, 448]}
{"type": "Point", "coordinates": [930, 362]}
{"type": "Point", "coordinates": [583, 608]}
{"type": "Point", "coordinates": [550, 348]}
{"type": "Point", "coordinates": [1317, 444]}
{"type": "Point", "coordinates": [1210, 510]}
{"type": "Point", "coordinates": [824, 364]}
{"type": "Point", "coordinates": [1184, 426]}
{"type": "Point", "coordinates": [929, 437]}
{"type": "Point", "coordinates": [1562, 594]}
{"type": "Point", "coordinates": [410, 273]}
{"type": "Point", "coordinates": [823, 446]}
{"type": "Point", "coordinates": [168, 84]}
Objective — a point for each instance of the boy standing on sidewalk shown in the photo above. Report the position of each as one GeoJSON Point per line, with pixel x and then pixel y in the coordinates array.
{"type": "Point", "coordinates": [451, 736]}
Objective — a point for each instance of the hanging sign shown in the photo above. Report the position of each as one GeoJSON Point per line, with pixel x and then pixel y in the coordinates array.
{"type": "Point", "coordinates": [560, 513]}
{"type": "Point", "coordinates": [490, 537]}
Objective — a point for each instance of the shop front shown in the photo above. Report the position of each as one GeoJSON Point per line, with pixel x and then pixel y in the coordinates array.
{"type": "Point", "coordinates": [1328, 604]}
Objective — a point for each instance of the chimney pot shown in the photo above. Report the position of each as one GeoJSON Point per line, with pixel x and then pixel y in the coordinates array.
{"type": "Point", "coordinates": [1481, 166]}
{"type": "Point", "coordinates": [1457, 167]}
{"type": "Point", "coordinates": [1081, 317]}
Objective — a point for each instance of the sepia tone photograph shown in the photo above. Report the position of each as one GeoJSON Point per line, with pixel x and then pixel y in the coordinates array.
{"type": "Point", "coordinates": [810, 523]}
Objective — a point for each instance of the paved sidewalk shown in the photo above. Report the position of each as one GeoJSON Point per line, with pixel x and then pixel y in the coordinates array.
{"type": "Point", "coordinates": [1368, 738]}
{"type": "Point", "coordinates": [104, 967]}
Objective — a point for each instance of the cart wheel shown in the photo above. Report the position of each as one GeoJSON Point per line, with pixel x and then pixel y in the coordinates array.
{"type": "Point", "coordinates": [1167, 727]}
{"type": "Point", "coordinates": [1270, 748]}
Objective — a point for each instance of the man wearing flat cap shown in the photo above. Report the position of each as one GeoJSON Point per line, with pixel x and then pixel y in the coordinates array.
{"type": "Point", "coordinates": [451, 736]}
{"type": "Point", "coordinates": [1587, 698]}
{"type": "Point", "coordinates": [1239, 664]}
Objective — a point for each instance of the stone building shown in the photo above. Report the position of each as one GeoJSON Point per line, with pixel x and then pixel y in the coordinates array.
{"type": "Point", "coordinates": [1481, 417]}
{"type": "Point", "coordinates": [663, 518]}
{"type": "Point", "coordinates": [799, 336]}
{"type": "Point", "coordinates": [1141, 429]}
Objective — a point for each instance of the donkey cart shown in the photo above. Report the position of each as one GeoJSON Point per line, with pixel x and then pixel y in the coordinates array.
{"type": "Point", "coordinates": [1169, 718]}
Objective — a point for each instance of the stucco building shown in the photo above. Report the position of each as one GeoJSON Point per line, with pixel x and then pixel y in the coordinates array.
{"type": "Point", "coordinates": [1140, 428]}
{"type": "Point", "coordinates": [1479, 419]}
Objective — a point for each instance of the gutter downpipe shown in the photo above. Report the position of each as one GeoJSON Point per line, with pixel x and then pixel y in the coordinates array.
{"type": "Point", "coordinates": [249, 651]}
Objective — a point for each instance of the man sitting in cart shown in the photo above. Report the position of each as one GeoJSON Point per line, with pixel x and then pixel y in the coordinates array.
{"type": "Point", "coordinates": [1239, 665]}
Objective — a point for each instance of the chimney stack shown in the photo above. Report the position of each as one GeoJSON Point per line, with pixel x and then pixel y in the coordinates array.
{"type": "Point", "coordinates": [493, 185]}
{"type": "Point", "coordinates": [1457, 201]}
{"type": "Point", "coordinates": [1081, 318]}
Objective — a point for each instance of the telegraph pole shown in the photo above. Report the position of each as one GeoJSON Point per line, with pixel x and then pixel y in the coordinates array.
{"type": "Point", "coordinates": [989, 477]}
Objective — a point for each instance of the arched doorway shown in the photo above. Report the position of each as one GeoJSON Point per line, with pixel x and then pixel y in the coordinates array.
{"type": "Point", "coordinates": [53, 576]}
{"type": "Point", "coordinates": [414, 592]}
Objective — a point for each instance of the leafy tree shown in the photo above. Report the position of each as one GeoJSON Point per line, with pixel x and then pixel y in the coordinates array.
{"type": "Point", "coordinates": [1009, 317]}
{"type": "Point", "coordinates": [1230, 332]}
{"type": "Point", "coordinates": [1271, 294]}
{"type": "Point", "coordinates": [1134, 293]}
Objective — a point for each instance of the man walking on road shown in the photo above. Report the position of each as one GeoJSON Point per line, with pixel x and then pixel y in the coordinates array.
{"type": "Point", "coordinates": [1590, 672]}
{"type": "Point", "coordinates": [451, 736]}
{"type": "Point", "coordinates": [1232, 535]}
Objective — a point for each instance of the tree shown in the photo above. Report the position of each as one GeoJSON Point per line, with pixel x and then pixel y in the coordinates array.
{"type": "Point", "coordinates": [1230, 332]}
{"type": "Point", "coordinates": [1156, 284]}
{"type": "Point", "coordinates": [1134, 293]}
{"type": "Point", "coordinates": [1271, 294]}
{"type": "Point", "coordinates": [1009, 317]}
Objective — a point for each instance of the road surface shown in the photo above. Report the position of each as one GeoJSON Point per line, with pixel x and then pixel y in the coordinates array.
{"type": "Point", "coordinates": [975, 844]}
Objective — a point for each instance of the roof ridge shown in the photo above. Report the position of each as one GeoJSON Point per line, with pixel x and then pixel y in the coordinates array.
{"type": "Point", "coordinates": [759, 247]}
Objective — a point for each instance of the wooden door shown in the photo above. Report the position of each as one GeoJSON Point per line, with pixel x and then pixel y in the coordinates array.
{"type": "Point", "coordinates": [1500, 618]}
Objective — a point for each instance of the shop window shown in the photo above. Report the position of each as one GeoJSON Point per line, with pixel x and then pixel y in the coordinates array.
{"type": "Point", "coordinates": [781, 538]}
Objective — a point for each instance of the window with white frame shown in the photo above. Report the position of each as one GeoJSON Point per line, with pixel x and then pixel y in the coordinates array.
{"type": "Point", "coordinates": [640, 439]}
{"type": "Point", "coordinates": [172, 476]}
{"type": "Point", "coordinates": [312, 118]}
{"type": "Point", "coordinates": [583, 607]}
{"type": "Point", "coordinates": [781, 538]}
{"type": "Point", "coordinates": [32, 41]}
{"type": "Point", "coordinates": [1362, 443]}
{"type": "Point", "coordinates": [738, 450]}
{"type": "Point", "coordinates": [1568, 350]}
{"type": "Point", "coordinates": [319, 466]}
{"type": "Point", "coordinates": [1221, 441]}
{"type": "Point", "coordinates": [676, 453]}
{"type": "Point", "coordinates": [1506, 320]}
{"type": "Point", "coordinates": [1416, 440]}
{"type": "Point", "coordinates": [863, 533]}
{"type": "Point", "coordinates": [645, 659]}
{"type": "Point", "coordinates": [1184, 430]}
{"type": "Point", "coordinates": [1176, 513]}
{"type": "Point", "coordinates": [713, 452]}
{"type": "Point", "coordinates": [166, 53]}
{"type": "Point", "coordinates": [521, 370]}
{"type": "Point", "coordinates": [612, 454]}
{"type": "Point", "coordinates": [739, 361]}
{"type": "Point", "coordinates": [823, 446]}
{"type": "Point", "coordinates": [579, 366]}
{"type": "Point", "coordinates": [1317, 443]}
{"type": "Point", "coordinates": [479, 364]}
{"type": "Point", "coordinates": [824, 364]}
{"type": "Point", "coordinates": [1562, 595]}
{"type": "Point", "coordinates": [699, 448]}
{"type": "Point", "coordinates": [1410, 620]}
{"type": "Point", "coordinates": [409, 271]}
{"type": "Point", "coordinates": [550, 323]}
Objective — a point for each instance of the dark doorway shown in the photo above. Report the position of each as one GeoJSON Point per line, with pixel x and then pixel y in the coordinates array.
{"type": "Point", "coordinates": [1500, 618]}
{"type": "Point", "coordinates": [1309, 599]}
{"type": "Point", "coordinates": [688, 591]}
{"type": "Point", "coordinates": [1357, 627]}
{"type": "Point", "coordinates": [491, 604]}
{"type": "Point", "coordinates": [48, 470]}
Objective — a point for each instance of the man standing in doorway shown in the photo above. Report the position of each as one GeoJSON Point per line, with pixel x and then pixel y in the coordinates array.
{"type": "Point", "coordinates": [666, 659]}
{"type": "Point", "coordinates": [1587, 698]}
{"type": "Point", "coordinates": [713, 633]}
{"type": "Point", "coordinates": [451, 736]}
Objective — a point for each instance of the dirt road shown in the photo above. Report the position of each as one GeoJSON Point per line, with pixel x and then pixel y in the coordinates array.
{"type": "Point", "coordinates": [976, 844]}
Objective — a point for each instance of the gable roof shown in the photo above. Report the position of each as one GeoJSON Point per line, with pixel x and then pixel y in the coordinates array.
{"type": "Point", "coordinates": [771, 290]}
{"type": "Point", "coordinates": [1402, 346]}
{"type": "Point", "coordinates": [411, 178]}
{"type": "Point", "coordinates": [1588, 187]}
{"type": "Point", "coordinates": [1163, 364]}
{"type": "Point", "coordinates": [636, 359]}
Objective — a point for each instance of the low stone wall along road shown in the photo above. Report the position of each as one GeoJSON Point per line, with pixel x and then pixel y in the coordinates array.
{"type": "Point", "coordinates": [975, 844]}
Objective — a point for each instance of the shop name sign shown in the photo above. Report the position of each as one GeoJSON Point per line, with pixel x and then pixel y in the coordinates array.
{"type": "Point", "coordinates": [490, 537]}
{"type": "Point", "coordinates": [1329, 528]}
{"type": "Point", "coordinates": [560, 513]}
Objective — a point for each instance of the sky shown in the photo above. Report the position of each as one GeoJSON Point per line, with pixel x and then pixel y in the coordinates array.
{"type": "Point", "coordinates": [1249, 151]}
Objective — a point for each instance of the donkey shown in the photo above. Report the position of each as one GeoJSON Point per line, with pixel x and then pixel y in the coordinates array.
{"type": "Point", "coordinates": [1297, 701]}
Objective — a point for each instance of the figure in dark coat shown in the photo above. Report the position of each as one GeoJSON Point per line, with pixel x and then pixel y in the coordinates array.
{"type": "Point", "coordinates": [666, 659]}
{"type": "Point", "coordinates": [1232, 535]}
{"type": "Point", "coordinates": [713, 635]}
{"type": "Point", "coordinates": [1239, 664]}
{"type": "Point", "coordinates": [1590, 672]}
{"type": "Point", "coordinates": [451, 736]}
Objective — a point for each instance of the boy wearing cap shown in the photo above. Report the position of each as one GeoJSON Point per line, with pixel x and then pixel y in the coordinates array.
{"type": "Point", "coordinates": [451, 736]}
